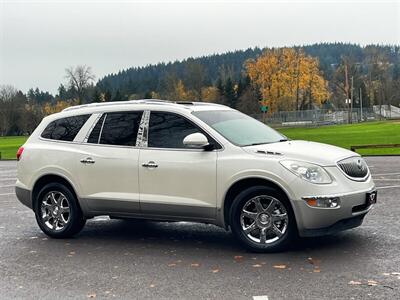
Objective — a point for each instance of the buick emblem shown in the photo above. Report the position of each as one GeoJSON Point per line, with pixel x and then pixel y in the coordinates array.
{"type": "Point", "coordinates": [360, 165]}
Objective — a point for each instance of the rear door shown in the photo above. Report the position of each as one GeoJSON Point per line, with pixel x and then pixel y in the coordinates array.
{"type": "Point", "coordinates": [108, 173]}
{"type": "Point", "coordinates": [175, 181]}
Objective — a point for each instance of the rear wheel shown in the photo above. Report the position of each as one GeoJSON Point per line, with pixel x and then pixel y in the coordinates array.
{"type": "Point", "coordinates": [57, 212]}
{"type": "Point", "coordinates": [262, 219]}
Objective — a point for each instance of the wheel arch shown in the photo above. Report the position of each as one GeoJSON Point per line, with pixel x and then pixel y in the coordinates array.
{"type": "Point", "coordinates": [243, 183]}
{"type": "Point", "coordinates": [50, 178]}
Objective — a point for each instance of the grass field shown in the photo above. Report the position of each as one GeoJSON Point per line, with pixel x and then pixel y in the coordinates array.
{"type": "Point", "coordinates": [9, 146]}
{"type": "Point", "coordinates": [387, 132]}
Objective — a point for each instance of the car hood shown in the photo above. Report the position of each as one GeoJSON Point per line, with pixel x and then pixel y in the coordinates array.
{"type": "Point", "coordinates": [318, 153]}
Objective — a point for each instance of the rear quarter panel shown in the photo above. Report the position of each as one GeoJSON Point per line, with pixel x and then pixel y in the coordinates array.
{"type": "Point", "coordinates": [48, 158]}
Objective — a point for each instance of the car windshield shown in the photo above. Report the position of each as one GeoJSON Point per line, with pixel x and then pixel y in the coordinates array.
{"type": "Point", "coordinates": [239, 128]}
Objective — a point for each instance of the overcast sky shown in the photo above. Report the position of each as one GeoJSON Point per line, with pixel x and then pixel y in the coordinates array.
{"type": "Point", "coordinates": [39, 39]}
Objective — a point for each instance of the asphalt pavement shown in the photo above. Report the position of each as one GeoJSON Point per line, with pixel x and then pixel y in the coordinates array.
{"type": "Point", "coordinates": [116, 259]}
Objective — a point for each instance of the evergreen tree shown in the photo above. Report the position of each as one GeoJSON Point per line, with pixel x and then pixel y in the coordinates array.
{"type": "Point", "coordinates": [220, 91]}
{"type": "Point", "coordinates": [96, 95]}
{"type": "Point", "coordinates": [220, 86]}
{"type": "Point", "coordinates": [38, 96]}
{"type": "Point", "coordinates": [118, 96]}
{"type": "Point", "coordinates": [62, 92]}
{"type": "Point", "coordinates": [31, 95]}
{"type": "Point", "coordinates": [396, 71]}
{"type": "Point", "coordinates": [148, 95]}
{"type": "Point", "coordinates": [107, 96]}
{"type": "Point", "coordinates": [229, 93]}
{"type": "Point", "coordinates": [244, 83]}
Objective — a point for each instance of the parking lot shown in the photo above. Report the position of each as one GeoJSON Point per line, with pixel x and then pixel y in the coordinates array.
{"type": "Point", "coordinates": [153, 260]}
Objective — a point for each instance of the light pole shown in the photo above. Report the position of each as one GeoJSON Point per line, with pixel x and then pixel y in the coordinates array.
{"type": "Point", "coordinates": [346, 88]}
{"type": "Point", "coordinates": [351, 99]}
{"type": "Point", "coordinates": [361, 112]}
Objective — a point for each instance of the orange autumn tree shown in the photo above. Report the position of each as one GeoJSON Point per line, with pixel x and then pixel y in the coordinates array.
{"type": "Point", "coordinates": [287, 79]}
{"type": "Point", "coordinates": [49, 108]}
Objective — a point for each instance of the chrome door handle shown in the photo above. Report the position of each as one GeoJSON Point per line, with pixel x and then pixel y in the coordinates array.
{"type": "Point", "coordinates": [87, 161]}
{"type": "Point", "coordinates": [150, 164]}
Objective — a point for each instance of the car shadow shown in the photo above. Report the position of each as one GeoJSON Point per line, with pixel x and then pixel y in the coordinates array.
{"type": "Point", "coordinates": [187, 235]}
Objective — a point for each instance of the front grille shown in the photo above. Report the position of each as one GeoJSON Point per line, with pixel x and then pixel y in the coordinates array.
{"type": "Point", "coordinates": [354, 167]}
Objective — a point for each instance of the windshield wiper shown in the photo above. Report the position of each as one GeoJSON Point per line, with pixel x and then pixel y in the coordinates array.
{"type": "Point", "coordinates": [255, 144]}
{"type": "Point", "coordinates": [264, 143]}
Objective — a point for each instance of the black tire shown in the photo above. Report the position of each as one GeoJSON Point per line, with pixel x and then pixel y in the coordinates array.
{"type": "Point", "coordinates": [76, 221]}
{"type": "Point", "coordinates": [242, 199]}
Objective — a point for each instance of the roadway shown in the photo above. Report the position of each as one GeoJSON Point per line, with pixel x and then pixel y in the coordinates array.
{"type": "Point", "coordinates": [114, 259]}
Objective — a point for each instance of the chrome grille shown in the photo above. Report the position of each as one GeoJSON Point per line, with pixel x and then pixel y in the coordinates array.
{"type": "Point", "coordinates": [354, 167]}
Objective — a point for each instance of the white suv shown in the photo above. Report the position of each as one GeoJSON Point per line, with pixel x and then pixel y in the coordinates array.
{"type": "Point", "coordinates": [201, 162]}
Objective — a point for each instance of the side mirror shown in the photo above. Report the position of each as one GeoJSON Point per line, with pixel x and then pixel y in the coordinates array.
{"type": "Point", "coordinates": [196, 141]}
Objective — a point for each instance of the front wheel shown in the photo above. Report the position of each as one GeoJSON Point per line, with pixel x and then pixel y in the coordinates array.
{"type": "Point", "coordinates": [262, 219]}
{"type": "Point", "coordinates": [57, 212]}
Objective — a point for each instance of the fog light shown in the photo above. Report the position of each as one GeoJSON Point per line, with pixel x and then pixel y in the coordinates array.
{"type": "Point", "coordinates": [324, 202]}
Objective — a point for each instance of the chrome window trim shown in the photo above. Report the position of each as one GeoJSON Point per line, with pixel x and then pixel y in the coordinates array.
{"type": "Point", "coordinates": [58, 141]}
{"type": "Point", "coordinates": [113, 146]}
{"type": "Point", "coordinates": [177, 149]}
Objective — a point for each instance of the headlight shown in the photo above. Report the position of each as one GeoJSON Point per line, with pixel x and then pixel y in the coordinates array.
{"type": "Point", "coordinates": [310, 172]}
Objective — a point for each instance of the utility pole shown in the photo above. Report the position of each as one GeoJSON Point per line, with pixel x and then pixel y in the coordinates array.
{"type": "Point", "coordinates": [351, 100]}
{"type": "Point", "coordinates": [361, 112]}
{"type": "Point", "coordinates": [297, 79]}
{"type": "Point", "coordinates": [380, 99]}
{"type": "Point", "coordinates": [346, 88]}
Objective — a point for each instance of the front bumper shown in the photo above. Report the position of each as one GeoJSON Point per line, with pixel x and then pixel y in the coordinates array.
{"type": "Point", "coordinates": [337, 227]}
{"type": "Point", "coordinates": [314, 221]}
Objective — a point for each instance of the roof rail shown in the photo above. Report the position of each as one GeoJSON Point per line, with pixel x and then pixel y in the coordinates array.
{"type": "Point", "coordinates": [141, 101]}
{"type": "Point", "coordinates": [115, 103]}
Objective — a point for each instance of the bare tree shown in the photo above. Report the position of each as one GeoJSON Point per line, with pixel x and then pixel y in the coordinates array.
{"type": "Point", "coordinates": [80, 78]}
{"type": "Point", "coordinates": [7, 93]}
{"type": "Point", "coordinates": [12, 111]}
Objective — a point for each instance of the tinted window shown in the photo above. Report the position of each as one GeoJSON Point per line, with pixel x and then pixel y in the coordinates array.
{"type": "Point", "coordinates": [120, 128]}
{"type": "Point", "coordinates": [168, 130]}
{"type": "Point", "coordinates": [65, 129]}
{"type": "Point", "coordinates": [94, 135]}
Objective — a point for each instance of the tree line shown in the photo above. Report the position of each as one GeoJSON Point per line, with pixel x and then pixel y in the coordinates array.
{"type": "Point", "coordinates": [288, 78]}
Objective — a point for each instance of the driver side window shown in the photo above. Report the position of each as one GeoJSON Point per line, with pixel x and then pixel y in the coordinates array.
{"type": "Point", "coordinates": [167, 130]}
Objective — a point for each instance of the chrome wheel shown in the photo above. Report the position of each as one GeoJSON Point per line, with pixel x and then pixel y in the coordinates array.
{"type": "Point", "coordinates": [55, 210]}
{"type": "Point", "coordinates": [264, 219]}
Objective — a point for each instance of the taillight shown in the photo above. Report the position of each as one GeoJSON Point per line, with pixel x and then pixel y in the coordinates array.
{"type": "Point", "coordinates": [19, 152]}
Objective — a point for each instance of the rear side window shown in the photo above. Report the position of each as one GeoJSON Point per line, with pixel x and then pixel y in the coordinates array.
{"type": "Point", "coordinates": [120, 128]}
{"type": "Point", "coordinates": [65, 129]}
{"type": "Point", "coordinates": [168, 130]}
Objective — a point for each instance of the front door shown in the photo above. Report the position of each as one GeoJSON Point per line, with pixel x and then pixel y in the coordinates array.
{"type": "Point", "coordinates": [108, 168]}
{"type": "Point", "coordinates": [175, 181]}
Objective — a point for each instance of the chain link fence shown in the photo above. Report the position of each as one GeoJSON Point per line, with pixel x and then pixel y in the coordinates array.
{"type": "Point", "coordinates": [319, 117]}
